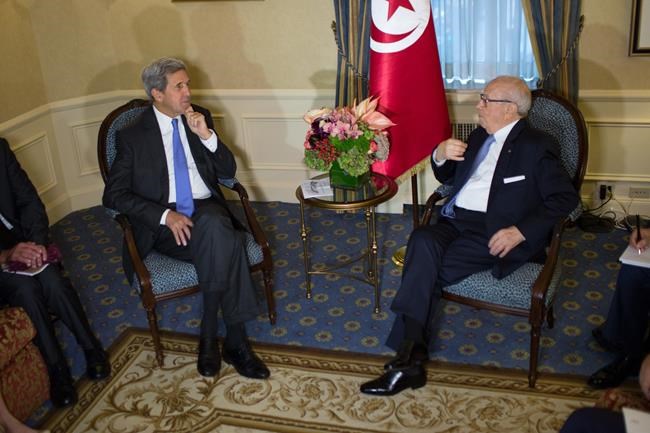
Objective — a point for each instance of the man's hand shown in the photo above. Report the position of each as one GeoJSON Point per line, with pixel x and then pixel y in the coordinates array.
{"type": "Point", "coordinates": [196, 122]}
{"type": "Point", "coordinates": [452, 149]}
{"type": "Point", "coordinates": [181, 227]}
{"type": "Point", "coordinates": [640, 244]}
{"type": "Point", "coordinates": [28, 253]}
{"type": "Point", "coordinates": [503, 241]}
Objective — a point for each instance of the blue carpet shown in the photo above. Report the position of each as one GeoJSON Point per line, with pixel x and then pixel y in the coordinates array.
{"type": "Point", "coordinates": [340, 314]}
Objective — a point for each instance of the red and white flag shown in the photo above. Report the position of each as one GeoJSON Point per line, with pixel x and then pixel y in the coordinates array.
{"type": "Point", "coordinates": [405, 74]}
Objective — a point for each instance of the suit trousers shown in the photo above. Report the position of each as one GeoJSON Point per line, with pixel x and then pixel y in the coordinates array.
{"type": "Point", "coordinates": [627, 319]}
{"type": "Point", "coordinates": [436, 256]}
{"type": "Point", "coordinates": [594, 420]}
{"type": "Point", "coordinates": [216, 248]}
{"type": "Point", "coordinates": [42, 294]}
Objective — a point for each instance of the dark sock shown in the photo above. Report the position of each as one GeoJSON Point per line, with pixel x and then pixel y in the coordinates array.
{"type": "Point", "coordinates": [413, 331]}
{"type": "Point", "coordinates": [235, 335]}
{"type": "Point", "coordinates": [210, 319]}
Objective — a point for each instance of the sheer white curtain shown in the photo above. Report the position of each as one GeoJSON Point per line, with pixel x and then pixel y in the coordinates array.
{"type": "Point", "coordinates": [480, 39]}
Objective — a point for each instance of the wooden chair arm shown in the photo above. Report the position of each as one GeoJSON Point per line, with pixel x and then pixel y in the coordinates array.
{"type": "Point", "coordinates": [434, 198]}
{"type": "Point", "coordinates": [251, 219]}
{"type": "Point", "coordinates": [141, 271]}
{"type": "Point", "coordinates": [544, 279]}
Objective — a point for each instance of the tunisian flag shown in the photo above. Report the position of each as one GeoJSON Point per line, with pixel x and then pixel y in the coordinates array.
{"type": "Point", "coordinates": [405, 74]}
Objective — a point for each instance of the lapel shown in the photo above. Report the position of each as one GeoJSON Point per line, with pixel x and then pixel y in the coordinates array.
{"type": "Point", "coordinates": [199, 155]}
{"type": "Point", "coordinates": [155, 151]}
{"type": "Point", "coordinates": [504, 158]}
{"type": "Point", "coordinates": [196, 147]}
{"type": "Point", "coordinates": [470, 155]}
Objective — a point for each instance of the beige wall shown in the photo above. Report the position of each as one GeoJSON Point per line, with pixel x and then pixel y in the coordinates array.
{"type": "Point", "coordinates": [21, 82]}
{"type": "Point", "coordinates": [604, 60]}
{"type": "Point", "coordinates": [73, 48]}
{"type": "Point", "coordinates": [260, 64]}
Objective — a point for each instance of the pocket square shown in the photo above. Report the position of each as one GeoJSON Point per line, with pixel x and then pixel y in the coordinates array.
{"type": "Point", "coordinates": [514, 179]}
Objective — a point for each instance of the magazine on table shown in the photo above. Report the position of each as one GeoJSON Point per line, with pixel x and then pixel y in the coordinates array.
{"type": "Point", "coordinates": [316, 188]}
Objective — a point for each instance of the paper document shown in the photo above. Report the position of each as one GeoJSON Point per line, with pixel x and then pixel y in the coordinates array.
{"type": "Point", "coordinates": [316, 188]}
{"type": "Point", "coordinates": [636, 421]}
{"type": "Point", "coordinates": [631, 256]}
{"type": "Point", "coordinates": [30, 272]}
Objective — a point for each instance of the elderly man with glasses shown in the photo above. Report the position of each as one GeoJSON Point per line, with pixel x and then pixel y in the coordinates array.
{"type": "Point", "coordinates": [508, 191]}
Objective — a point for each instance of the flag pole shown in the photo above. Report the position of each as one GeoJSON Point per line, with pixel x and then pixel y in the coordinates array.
{"type": "Point", "coordinates": [399, 256]}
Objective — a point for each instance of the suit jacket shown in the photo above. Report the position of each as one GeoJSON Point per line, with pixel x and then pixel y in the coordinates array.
{"type": "Point", "coordinates": [20, 203]}
{"type": "Point", "coordinates": [138, 181]}
{"type": "Point", "coordinates": [533, 204]}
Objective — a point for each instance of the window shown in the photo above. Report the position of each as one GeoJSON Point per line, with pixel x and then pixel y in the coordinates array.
{"type": "Point", "coordinates": [478, 40]}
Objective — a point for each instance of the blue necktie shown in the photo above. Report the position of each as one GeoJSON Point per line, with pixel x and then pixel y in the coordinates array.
{"type": "Point", "coordinates": [184, 200]}
{"type": "Point", "coordinates": [448, 208]}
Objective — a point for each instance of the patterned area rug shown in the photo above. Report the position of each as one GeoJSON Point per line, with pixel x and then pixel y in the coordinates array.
{"type": "Point", "coordinates": [309, 390]}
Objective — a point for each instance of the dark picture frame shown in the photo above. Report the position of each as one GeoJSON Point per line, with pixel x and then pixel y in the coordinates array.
{"type": "Point", "coordinates": [640, 29]}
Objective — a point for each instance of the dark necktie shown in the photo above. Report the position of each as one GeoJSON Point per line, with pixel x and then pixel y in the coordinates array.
{"type": "Point", "coordinates": [448, 208]}
{"type": "Point", "coordinates": [184, 200]}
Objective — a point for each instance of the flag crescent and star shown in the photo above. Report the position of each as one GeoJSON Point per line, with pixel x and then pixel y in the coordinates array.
{"type": "Point", "coordinates": [405, 74]}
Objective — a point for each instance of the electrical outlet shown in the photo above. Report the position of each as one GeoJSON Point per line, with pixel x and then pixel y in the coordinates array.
{"type": "Point", "coordinates": [602, 191]}
{"type": "Point", "coordinates": [639, 192]}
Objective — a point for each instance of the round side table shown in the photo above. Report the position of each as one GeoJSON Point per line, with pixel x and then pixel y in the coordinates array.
{"type": "Point", "coordinates": [378, 190]}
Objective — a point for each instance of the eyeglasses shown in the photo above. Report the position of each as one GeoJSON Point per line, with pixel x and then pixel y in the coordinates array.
{"type": "Point", "coordinates": [485, 100]}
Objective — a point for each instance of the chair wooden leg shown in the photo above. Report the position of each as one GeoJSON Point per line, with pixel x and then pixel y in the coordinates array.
{"type": "Point", "coordinates": [155, 335]}
{"type": "Point", "coordinates": [268, 292]}
{"type": "Point", "coordinates": [550, 317]}
{"type": "Point", "coordinates": [535, 332]}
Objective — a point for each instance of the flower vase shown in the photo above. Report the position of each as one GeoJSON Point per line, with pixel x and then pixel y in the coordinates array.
{"type": "Point", "coordinates": [339, 178]}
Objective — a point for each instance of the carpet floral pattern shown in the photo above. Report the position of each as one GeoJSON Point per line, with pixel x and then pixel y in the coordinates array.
{"type": "Point", "coordinates": [309, 390]}
{"type": "Point", "coordinates": [339, 316]}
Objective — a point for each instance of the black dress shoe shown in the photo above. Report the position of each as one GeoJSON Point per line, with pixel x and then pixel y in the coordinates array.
{"type": "Point", "coordinates": [97, 365]}
{"type": "Point", "coordinates": [62, 392]}
{"type": "Point", "coordinates": [209, 362]}
{"type": "Point", "coordinates": [396, 380]}
{"type": "Point", "coordinates": [246, 362]}
{"type": "Point", "coordinates": [605, 343]}
{"type": "Point", "coordinates": [615, 373]}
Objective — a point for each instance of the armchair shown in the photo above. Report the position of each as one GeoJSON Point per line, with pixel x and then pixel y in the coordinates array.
{"type": "Point", "coordinates": [530, 290]}
{"type": "Point", "coordinates": [159, 277]}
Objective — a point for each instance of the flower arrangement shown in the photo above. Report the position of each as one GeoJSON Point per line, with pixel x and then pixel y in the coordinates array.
{"type": "Point", "coordinates": [351, 137]}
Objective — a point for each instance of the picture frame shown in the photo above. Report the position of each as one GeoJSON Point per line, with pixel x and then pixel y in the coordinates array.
{"type": "Point", "coordinates": [640, 28]}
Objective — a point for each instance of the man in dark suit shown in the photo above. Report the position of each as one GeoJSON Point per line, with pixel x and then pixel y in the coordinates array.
{"type": "Point", "coordinates": [625, 330]}
{"type": "Point", "coordinates": [164, 178]}
{"type": "Point", "coordinates": [24, 237]}
{"type": "Point", "coordinates": [509, 190]}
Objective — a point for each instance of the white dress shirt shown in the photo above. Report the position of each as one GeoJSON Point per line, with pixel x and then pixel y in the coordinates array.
{"type": "Point", "coordinates": [199, 188]}
{"type": "Point", "coordinates": [476, 191]}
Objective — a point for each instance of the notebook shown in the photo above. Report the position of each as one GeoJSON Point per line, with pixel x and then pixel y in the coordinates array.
{"type": "Point", "coordinates": [631, 256]}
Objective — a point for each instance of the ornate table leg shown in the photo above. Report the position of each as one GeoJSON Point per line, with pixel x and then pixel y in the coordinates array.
{"type": "Point", "coordinates": [373, 256]}
{"type": "Point", "coordinates": [305, 249]}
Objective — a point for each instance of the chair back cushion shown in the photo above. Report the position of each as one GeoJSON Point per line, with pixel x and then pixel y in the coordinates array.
{"type": "Point", "coordinates": [126, 116]}
{"type": "Point", "coordinates": [561, 119]}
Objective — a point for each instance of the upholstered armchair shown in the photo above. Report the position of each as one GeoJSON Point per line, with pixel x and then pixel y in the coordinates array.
{"type": "Point", "coordinates": [24, 382]}
{"type": "Point", "coordinates": [160, 277]}
{"type": "Point", "coordinates": [530, 291]}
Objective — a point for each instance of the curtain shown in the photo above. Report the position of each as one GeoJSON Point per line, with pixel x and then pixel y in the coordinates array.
{"type": "Point", "coordinates": [352, 34]}
{"type": "Point", "coordinates": [479, 39]}
{"type": "Point", "coordinates": [555, 27]}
